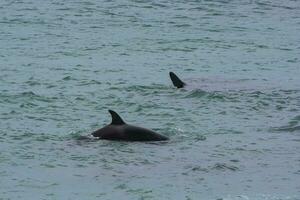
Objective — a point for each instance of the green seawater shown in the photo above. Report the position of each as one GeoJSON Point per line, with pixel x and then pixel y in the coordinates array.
{"type": "Point", "coordinates": [234, 130]}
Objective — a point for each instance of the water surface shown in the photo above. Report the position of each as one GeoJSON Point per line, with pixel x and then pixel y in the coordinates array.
{"type": "Point", "coordinates": [234, 133]}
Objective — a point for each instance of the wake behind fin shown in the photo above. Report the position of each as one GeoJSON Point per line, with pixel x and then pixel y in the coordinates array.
{"type": "Point", "coordinates": [115, 118]}
{"type": "Point", "coordinates": [176, 81]}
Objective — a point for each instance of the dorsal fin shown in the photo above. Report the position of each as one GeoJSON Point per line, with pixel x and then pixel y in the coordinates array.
{"type": "Point", "coordinates": [176, 81]}
{"type": "Point", "coordinates": [115, 118]}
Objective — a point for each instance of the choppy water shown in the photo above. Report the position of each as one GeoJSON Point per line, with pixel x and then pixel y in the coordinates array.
{"type": "Point", "coordinates": [235, 133]}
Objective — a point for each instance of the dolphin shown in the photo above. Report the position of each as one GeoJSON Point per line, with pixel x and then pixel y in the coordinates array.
{"type": "Point", "coordinates": [176, 81]}
{"type": "Point", "coordinates": [119, 130]}
{"type": "Point", "coordinates": [217, 84]}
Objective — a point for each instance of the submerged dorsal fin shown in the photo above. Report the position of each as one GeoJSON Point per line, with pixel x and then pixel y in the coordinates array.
{"type": "Point", "coordinates": [115, 118]}
{"type": "Point", "coordinates": [176, 81]}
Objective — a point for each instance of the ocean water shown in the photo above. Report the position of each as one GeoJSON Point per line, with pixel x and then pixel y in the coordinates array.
{"type": "Point", "coordinates": [234, 131]}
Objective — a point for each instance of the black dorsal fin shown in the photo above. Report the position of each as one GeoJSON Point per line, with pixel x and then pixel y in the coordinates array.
{"type": "Point", "coordinates": [115, 118]}
{"type": "Point", "coordinates": [176, 81]}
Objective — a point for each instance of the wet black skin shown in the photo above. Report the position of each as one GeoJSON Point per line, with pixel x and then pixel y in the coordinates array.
{"type": "Point", "coordinates": [119, 130]}
{"type": "Point", "coordinates": [176, 81]}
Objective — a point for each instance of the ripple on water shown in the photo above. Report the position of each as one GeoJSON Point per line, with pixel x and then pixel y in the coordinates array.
{"type": "Point", "coordinates": [224, 167]}
{"type": "Point", "coordinates": [293, 126]}
{"type": "Point", "coordinates": [234, 137]}
{"type": "Point", "coordinates": [28, 97]}
{"type": "Point", "coordinates": [207, 95]}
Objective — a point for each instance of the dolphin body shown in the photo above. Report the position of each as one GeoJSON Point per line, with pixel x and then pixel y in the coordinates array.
{"type": "Point", "coordinates": [119, 130]}
{"type": "Point", "coordinates": [176, 81]}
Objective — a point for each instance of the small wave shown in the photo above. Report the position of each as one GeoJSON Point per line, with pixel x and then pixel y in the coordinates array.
{"type": "Point", "coordinates": [287, 129]}
{"type": "Point", "coordinates": [182, 25]}
{"type": "Point", "coordinates": [145, 90]}
{"type": "Point", "coordinates": [26, 99]}
{"type": "Point", "coordinates": [28, 105]}
{"type": "Point", "coordinates": [227, 131]}
{"type": "Point", "coordinates": [196, 94]}
{"type": "Point", "coordinates": [204, 94]}
{"type": "Point", "coordinates": [217, 166]}
{"type": "Point", "coordinates": [258, 197]}
{"type": "Point", "coordinates": [196, 169]}
{"type": "Point", "coordinates": [89, 82]}
{"type": "Point", "coordinates": [28, 94]}
{"type": "Point", "coordinates": [67, 78]}
{"type": "Point", "coordinates": [291, 127]}
{"type": "Point", "coordinates": [183, 49]}
{"type": "Point", "coordinates": [33, 82]}
{"type": "Point", "coordinates": [76, 138]}
{"type": "Point", "coordinates": [28, 136]}
{"type": "Point", "coordinates": [224, 167]}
